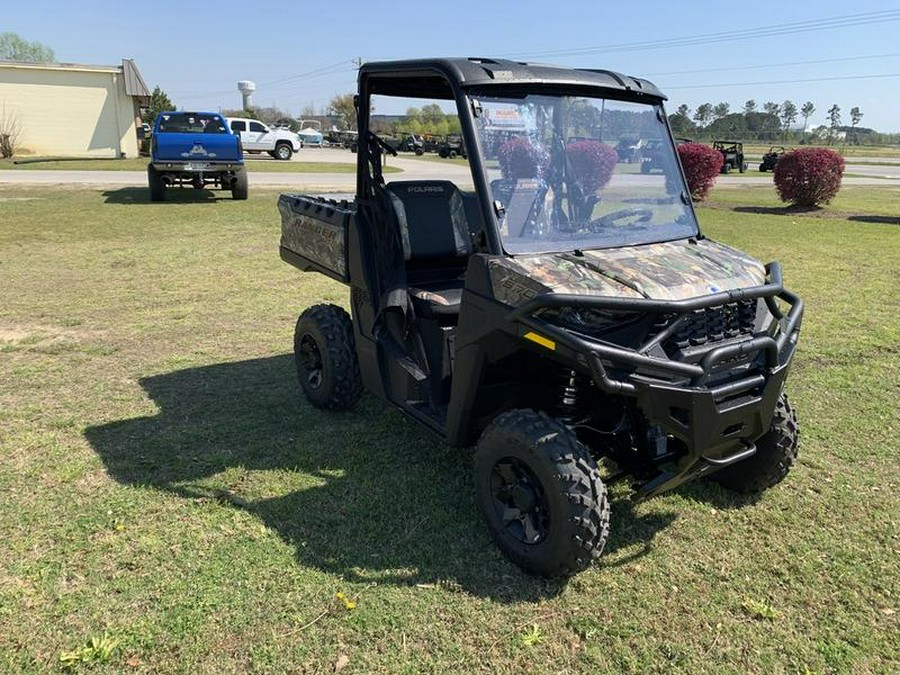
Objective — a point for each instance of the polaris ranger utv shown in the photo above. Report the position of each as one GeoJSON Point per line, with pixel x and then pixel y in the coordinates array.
{"type": "Point", "coordinates": [732, 155]}
{"type": "Point", "coordinates": [552, 307]}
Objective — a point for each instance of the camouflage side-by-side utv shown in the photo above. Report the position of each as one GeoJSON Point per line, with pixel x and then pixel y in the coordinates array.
{"type": "Point", "coordinates": [550, 305]}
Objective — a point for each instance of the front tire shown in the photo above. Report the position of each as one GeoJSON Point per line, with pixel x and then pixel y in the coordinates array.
{"type": "Point", "coordinates": [325, 355]}
{"type": "Point", "coordinates": [541, 494]}
{"type": "Point", "coordinates": [283, 151]}
{"type": "Point", "coordinates": [776, 452]}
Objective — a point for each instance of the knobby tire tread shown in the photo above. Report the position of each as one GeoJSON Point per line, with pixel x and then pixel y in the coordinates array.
{"type": "Point", "coordinates": [581, 487]}
{"type": "Point", "coordinates": [337, 347]}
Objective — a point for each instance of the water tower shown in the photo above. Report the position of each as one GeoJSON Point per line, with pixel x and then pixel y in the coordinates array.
{"type": "Point", "coordinates": [246, 87]}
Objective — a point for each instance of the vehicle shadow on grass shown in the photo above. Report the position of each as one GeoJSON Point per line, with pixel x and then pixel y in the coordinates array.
{"type": "Point", "coordinates": [817, 212]}
{"type": "Point", "coordinates": [141, 195]}
{"type": "Point", "coordinates": [876, 220]}
{"type": "Point", "coordinates": [366, 495]}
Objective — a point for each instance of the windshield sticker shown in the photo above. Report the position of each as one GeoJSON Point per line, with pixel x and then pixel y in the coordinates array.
{"type": "Point", "coordinates": [580, 173]}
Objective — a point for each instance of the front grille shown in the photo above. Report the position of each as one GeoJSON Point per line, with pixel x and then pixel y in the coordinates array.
{"type": "Point", "coordinates": [713, 324]}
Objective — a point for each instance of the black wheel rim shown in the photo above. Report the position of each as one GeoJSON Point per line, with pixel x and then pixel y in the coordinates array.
{"type": "Point", "coordinates": [311, 361]}
{"type": "Point", "coordinates": [520, 501]}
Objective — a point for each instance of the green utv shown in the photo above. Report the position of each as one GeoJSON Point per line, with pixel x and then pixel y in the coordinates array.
{"type": "Point", "coordinates": [548, 304]}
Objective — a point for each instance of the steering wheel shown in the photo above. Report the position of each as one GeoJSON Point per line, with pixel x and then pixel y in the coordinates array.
{"type": "Point", "coordinates": [642, 216]}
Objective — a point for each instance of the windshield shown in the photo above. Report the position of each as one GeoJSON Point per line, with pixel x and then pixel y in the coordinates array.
{"type": "Point", "coordinates": [581, 173]}
{"type": "Point", "coordinates": [191, 123]}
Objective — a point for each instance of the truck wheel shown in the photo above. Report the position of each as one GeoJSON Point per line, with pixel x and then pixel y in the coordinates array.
{"type": "Point", "coordinates": [419, 152]}
{"type": "Point", "coordinates": [157, 186]}
{"type": "Point", "coordinates": [325, 354]}
{"type": "Point", "coordinates": [240, 187]}
{"type": "Point", "coordinates": [776, 452]}
{"type": "Point", "coordinates": [283, 151]}
{"type": "Point", "coordinates": [452, 154]}
{"type": "Point", "coordinates": [645, 167]}
{"type": "Point", "coordinates": [541, 494]}
{"type": "Point", "coordinates": [726, 168]}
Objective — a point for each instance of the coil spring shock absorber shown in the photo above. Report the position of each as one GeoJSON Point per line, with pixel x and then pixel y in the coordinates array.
{"type": "Point", "coordinates": [568, 411]}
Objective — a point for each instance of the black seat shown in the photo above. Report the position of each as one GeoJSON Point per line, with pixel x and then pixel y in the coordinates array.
{"type": "Point", "coordinates": [436, 243]}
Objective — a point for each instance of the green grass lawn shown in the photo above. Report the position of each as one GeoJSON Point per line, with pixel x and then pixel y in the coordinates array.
{"type": "Point", "coordinates": [168, 494]}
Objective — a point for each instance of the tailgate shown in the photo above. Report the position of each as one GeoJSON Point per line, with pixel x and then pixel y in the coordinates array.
{"type": "Point", "coordinates": [314, 234]}
{"type": "Point", "coordinates": [191, 147]}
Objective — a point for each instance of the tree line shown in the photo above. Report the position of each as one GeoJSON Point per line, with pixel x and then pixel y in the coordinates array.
{"type": "Point", "coordinates": [772, 122]}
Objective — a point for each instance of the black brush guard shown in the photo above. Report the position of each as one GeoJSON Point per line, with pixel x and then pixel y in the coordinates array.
{"type": "Point", "coordinates": [718, 423]}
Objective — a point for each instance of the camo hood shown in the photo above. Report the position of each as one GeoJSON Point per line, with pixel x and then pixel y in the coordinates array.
{"type": "Point", "coordinates": [673, 270]}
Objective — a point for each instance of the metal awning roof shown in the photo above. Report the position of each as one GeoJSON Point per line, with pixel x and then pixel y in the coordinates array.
{"type": "Point", "coordinates": [134, 83]}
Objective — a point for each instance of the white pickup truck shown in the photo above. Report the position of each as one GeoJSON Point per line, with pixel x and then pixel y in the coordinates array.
{"type": "Point", "coordinates": [257, 137]}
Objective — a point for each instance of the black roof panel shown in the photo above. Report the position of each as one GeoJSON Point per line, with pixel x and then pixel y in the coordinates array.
{"type": "Point", "coordinates": [388, 76]}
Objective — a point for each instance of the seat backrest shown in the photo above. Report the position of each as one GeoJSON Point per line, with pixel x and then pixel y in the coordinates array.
{"type": "Point", "coordinates": [432, 219]}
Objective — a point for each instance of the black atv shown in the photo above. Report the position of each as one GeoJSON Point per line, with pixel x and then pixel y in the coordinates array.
{"type": "Point", "coordinates": [552, 307]}
{"type": "Point", "coordinates": [770, 159]}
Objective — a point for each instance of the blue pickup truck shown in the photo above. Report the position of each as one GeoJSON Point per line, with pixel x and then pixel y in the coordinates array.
{"type": "Point", "coordinates": [195, 149]}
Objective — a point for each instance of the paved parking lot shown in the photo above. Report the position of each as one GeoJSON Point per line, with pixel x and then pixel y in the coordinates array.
{"type": "Point", "coordinates": [859, 173]}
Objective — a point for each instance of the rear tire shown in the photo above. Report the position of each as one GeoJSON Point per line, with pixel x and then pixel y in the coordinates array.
{"type": "Point", "coordinates": [240, 186]}
{"type": "Point", "coordinates": [776, 452]}
{"type": "Point", "coordinates": [325, 355]}
{"type": "Point", "coordinates": [157, 186]}
{"type": "Point", "coordinates": [541, 494]}
{"type": "Point", "coordinates": [283, 151]}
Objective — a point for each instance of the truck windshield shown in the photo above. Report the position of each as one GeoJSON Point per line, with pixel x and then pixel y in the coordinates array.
{"type": "Point", "coordinates": [191, 123]}
{"type": "Point", "coordinates": [572, 173]}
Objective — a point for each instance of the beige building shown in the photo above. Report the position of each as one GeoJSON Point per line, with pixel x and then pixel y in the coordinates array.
{"type": "Point", "coordinates": [70, 110]}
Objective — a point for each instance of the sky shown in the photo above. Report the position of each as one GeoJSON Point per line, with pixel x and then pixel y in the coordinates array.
{"type": "Point", "coordinates": [302, 54]}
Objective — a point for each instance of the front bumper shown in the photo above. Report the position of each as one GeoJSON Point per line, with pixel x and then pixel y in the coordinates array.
{"type": "Point", "coordinates": [716, 410]}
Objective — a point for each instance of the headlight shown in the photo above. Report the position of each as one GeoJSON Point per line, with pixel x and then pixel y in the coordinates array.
{"type": "Point", "coordinates": [590, 321]}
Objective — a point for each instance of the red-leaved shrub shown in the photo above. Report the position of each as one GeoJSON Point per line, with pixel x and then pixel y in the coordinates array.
{"type": "Point", "coordinates": [809, 176]}
{"type": "Point", "coordinates": [701, 165]}
{"type": "Point", "coordinates": [592, 163]}
{"type": "Point", "coordinates": [520, 158]}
